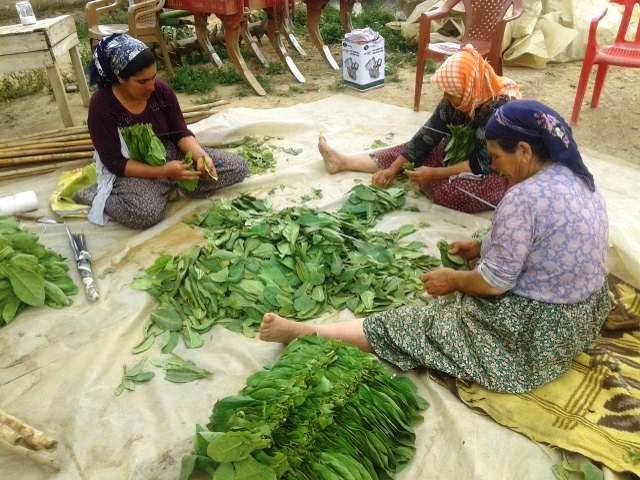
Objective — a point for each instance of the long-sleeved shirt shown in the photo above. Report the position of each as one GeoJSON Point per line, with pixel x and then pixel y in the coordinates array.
{"type": "Point", "coordinates": [548, 239]}
{"type": "Point", "coordinates": [433, 131]}
{"type": "Point", "coordinates": [106, 115]}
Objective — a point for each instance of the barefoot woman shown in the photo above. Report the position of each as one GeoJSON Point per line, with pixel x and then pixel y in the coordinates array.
{"type": "Point", "coordinates": [472, 92]}
{"type": "Point", "coordinates": [537, 295]}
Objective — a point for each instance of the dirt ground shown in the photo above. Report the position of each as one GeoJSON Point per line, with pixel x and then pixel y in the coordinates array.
{"type": "Point", "coordinates": [613, 128]}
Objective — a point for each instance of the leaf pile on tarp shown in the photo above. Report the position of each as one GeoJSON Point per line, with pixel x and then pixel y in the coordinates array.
{"type": "Point", "coordinates": [30, 274]}
{"type": "Point", "coordinates": [325, 410]}
{"type": "Point", "coordinates": [368, 203]}
{"type": "Point", "coordinates": [460, 145]}
{"type": "Point", "coordinates": [297, 262]}
{"type": "Point", "coordinates": [145, 146]}
{"type": "Point", "coordinates": [256, 152]}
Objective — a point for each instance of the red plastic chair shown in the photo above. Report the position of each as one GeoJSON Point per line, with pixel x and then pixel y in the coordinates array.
{"type": "Point", "coordinates": [484, 24]}
{"type": "Point", "coordinates": [623, 53]}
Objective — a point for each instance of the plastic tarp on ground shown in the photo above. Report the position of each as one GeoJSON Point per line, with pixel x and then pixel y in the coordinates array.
{"type": "Point", "coordinates": [59, 368]}
{"type": "Point", "coordinates": [547, 31]}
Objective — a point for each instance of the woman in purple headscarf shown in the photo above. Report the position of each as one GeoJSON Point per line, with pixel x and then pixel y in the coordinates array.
{"type": "Point", "coordinates": [130, 191]}
{"type": "Point", "coordinates": [536, 296]}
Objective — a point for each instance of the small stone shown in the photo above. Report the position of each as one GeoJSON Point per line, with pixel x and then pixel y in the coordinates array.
{"type": "Point", "coordinates": [71, 88]}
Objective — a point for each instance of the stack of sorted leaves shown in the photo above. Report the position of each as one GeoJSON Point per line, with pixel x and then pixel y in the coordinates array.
{"type": "Point", "coordinates": [451, 260]}
{"type": "Point", "coordinates": [325, 410]}
{"type": "Point", "coordinates": [297, 262]}
{"type": "Point", "coordinates": [30, 274]}
{"type": "Point", "coordinates": [145, 146]}
{"type": "Point", "coordinates": [460, 145]}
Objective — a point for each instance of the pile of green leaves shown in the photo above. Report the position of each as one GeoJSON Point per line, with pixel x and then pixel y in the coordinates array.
{"type": "Point", "coordinates": [451, 260]}
{"type": "Point", "coordinates": [325, 410]}
{"type": "Point", "coordinates": [460, 145]}
{"type": "Point", "coordinates": [257, 154]}
{"type": "Point", "coordinates": [298, 262]}
{"type": "Point", "coordinates": [30, 274]}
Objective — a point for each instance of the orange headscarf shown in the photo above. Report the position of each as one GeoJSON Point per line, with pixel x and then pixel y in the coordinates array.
{"type": "Point", "coordinates": [469, 76]}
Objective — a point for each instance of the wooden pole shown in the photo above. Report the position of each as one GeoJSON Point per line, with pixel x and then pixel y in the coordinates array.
{"type": "Point", "coordinates": [39, 170]}
{"type": "Point", "coordinates": [44, 151]}
{"type": "Point", "coordinates": [45, 158]}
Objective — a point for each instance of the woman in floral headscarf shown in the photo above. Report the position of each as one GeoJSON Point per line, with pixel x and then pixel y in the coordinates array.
{"type": "Point", "coordinates": [472, 92]}
{"type": "Point", "coordinates": [537, 294]}
{"type": "Point", "coordinates": [129, 191]}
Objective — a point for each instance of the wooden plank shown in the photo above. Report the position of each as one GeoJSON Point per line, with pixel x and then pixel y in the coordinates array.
{"type": "Point", "coordinates": [40, 25]}
{"type": "Point", "coordinates": [25, 61]}
{"type": "Point", "coordinates": [29, 42]}
{"type": "Point", "coordinates": [60, 30]}
{"type": "Point", "coordinates": [78, 71]}
{"type": "Point", "coordinates": [61, 96]}
{"type": "Point", "coordinates": [61, 48]}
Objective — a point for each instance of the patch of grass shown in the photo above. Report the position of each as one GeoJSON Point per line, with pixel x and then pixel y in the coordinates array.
{"type": "Point", "coordinates": [275, 68]}
{"type": "Point", "coordinates": [203, 78]}
{"type": "Point", "coordinates": [226, 75]}
{"type": "Point", "coordinates": [21, 84]}
{"type": "Point", "coordinates": [190, 79]}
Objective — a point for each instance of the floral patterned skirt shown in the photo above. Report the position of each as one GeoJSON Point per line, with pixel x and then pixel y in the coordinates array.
{"type": "Point", "coordinates": [490, 188]}
{"type": "Point", "coordinates": [506, 344]}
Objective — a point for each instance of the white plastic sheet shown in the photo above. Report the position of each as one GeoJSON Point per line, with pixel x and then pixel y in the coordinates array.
{"type": "Point", "coordinates": [59, 368]}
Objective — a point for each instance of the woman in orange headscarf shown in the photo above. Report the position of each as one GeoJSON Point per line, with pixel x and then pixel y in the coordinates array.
{"type": "Point", "coordinates": [472, 92]}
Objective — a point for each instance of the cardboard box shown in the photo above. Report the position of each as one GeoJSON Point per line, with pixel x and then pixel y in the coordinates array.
{"type": "Point", "coordinates": [363, 63]}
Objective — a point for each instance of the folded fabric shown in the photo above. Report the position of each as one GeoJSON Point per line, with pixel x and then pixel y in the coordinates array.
{"type": "Point", "coordinates": [70, 183]}
{"type": "Point", "coordinates": [594, 409]}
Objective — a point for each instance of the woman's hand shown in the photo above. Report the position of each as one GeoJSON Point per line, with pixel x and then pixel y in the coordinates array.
{"type": "Point", "coordinates": [205, 165]}
{"type": "Point", "coordinates": [176, 170]}
{"type": "Point", "coordinates": [383, 178]}
{"type": "Point", "coordinates": [467, 249]}
{"type": "Point", "coordinates": [439, 282]}
{"type": "Point", "coordinates": [423, 176]}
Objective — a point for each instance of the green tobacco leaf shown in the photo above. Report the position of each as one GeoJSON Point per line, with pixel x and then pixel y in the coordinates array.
{"type": "Point", "coordinates": [167, 318]}
{"type": "Point", "coordinates": [225, 471]}
{"type": "Point", "coordinates": [27, 285]}
{"type": "Point", "coordinates": [250, 469]}
{"type": "Point", "coordinates": [233, 446]}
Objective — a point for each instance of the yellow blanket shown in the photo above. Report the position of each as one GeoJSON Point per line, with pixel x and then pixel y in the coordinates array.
{"type": "Point", "coordinates": [594, 409]}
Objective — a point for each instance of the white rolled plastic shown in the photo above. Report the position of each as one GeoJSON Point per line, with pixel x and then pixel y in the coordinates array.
{"type": "Point", "coordinates": [18, 203]}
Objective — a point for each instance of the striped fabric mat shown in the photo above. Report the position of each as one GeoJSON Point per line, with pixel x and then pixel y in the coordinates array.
{"type": "Point", "coordinates": [594, 409]}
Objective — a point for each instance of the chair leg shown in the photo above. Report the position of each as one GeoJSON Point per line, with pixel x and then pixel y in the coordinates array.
{"type": "Point", "coordinates": [165, 55]}
{"type": "Point", "coordinates": [597, 89]}
{"type": "Point", "coordinates": [422, 60]}
{"type": "Point", "coordinates": [582, 88]}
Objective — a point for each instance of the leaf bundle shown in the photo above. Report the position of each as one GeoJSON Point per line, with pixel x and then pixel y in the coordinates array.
{"type": "Point", "coordinates": [460, 145]}
{"type": "Point", "coordinates": [30, 274]}
{"type": "Point", "coordinates": [325, 410]}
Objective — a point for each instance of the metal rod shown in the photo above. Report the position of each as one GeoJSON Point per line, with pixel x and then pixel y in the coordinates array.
{"type": "Point", "coordinates": [475, 197]}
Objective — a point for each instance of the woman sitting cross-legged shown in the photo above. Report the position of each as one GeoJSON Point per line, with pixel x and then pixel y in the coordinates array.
{"type": "Point", "coordinates": [129, 191]}
{"type": "Point", "coordinates": [537, 295]}
{"type": "Point", "coordinates": [472, 92]}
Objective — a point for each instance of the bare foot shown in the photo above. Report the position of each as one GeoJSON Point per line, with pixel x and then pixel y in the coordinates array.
{"type": "Point", "coordinates": [331, 158]}
{"type": "Point", "coordinates": [274, 328]}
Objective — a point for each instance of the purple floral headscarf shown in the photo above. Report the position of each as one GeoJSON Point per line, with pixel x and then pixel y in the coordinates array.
{"type": "Point", "coordinates": [528, 120]}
